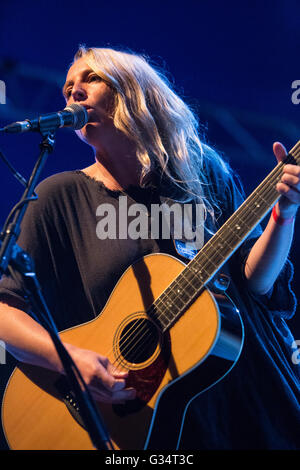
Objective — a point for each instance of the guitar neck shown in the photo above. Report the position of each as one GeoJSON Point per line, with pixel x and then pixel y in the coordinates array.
{"type": "Point", "coordinates": [191, 281]}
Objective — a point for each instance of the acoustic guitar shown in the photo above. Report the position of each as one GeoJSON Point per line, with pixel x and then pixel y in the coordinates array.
{"type": "Point", "coordinates": [162, 324]}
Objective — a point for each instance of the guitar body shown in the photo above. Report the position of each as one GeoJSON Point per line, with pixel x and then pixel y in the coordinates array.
{"type": "Point", "coordinates": [195, 352]}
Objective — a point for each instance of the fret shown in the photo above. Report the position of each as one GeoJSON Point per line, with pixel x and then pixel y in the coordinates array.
{"type": "Point", "coordinates": [197, 271]}
{"type": "Point", "coordinates": [170, 304]}
{"type": "Point", "coordinates": [157, 315]}
{"type": "Point", "coordinates": [218, 254]}
{"type": "Point", "coordinates": [216, 246]}
{"type": "Point", "coordinates": [209, 259]}
{"type": "Point", "coordinates": [165, 325]}
{"type": "Point", "coordinates": [166, 308]}
{"type": "Point", "coordinates": [257, 210]}
{"type": "Point", "coordinates": [242, 226]}
{"type": "Point", "coordinates": [178, 290]}
{"type": "Point", "coordinates": [205, 263]}
{"type": "Point", "coordinates": [174, 291]}
{"type": "Point", "coordinates": [190, 283]}
{"type": "Point", "coordinates": [236, 230]}
{"type": "Point", "coordinates": [219, 240]}
{"type": "Point", "coordinates": [181, 291]}
{"type": "Point", "coordinates": [271, 198]}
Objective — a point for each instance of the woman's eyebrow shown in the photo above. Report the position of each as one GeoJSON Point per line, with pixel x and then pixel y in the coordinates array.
{"type": "Point", "coordinates": [83, 74]}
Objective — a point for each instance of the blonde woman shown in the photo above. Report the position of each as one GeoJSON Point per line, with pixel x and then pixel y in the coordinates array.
{"type": "Point", "coordinates": [146, 143]}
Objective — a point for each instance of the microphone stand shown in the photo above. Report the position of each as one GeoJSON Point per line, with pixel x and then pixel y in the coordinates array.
{"type": "Point", "coordinates": [13, 257]}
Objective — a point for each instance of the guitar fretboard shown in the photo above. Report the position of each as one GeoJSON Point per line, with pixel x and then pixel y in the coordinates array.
{"type": "Point", "coordinates": [190, 282]}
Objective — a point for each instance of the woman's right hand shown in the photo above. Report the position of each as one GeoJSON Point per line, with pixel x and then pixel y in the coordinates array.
{"type": "Point", "coordinates": [103, 380]}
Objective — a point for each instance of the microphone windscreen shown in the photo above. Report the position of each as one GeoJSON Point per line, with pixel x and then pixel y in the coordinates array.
{"type": "Point", "coordinates": [80, 115]}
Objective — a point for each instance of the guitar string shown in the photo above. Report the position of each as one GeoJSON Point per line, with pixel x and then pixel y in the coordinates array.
{"type": "Point", "coordinates": [146, 330]}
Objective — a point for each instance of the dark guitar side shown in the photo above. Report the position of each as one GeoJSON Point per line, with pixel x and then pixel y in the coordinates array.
{"type": "Point", "coordinates": [174, 404]}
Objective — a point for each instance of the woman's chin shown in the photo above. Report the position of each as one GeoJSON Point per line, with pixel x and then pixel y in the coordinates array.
{"type": "Point", "coordinates": [89, 133]}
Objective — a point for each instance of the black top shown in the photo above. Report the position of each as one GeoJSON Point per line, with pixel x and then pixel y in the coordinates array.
{"type": "Point", "coordinates": [257, 404]}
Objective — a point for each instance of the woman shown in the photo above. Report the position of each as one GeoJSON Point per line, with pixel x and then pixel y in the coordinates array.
{"type": "Point", "coordinates": [146, 145]}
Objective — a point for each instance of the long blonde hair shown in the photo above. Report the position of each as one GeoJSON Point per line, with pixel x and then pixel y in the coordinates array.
{"type": "Point", "coordinates": [163, 127]}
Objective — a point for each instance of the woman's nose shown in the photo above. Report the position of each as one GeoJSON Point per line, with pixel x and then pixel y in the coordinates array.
{"type": "Point", "coordinates": [78, 93]}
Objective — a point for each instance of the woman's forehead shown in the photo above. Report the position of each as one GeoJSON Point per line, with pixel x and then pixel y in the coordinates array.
{"type": "Point", "coordinates": [78, 67]}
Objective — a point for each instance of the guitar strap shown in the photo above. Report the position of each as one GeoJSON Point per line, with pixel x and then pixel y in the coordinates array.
{"type": "Point", "coordinates": [186, 226]}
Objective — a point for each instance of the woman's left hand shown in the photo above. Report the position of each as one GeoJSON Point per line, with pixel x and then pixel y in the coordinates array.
{"type": "Point", "coordinates": [289, 185]}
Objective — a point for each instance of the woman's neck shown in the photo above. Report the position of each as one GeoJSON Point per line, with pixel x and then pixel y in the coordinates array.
{"type": "Point", "coordinates": [116, 173]}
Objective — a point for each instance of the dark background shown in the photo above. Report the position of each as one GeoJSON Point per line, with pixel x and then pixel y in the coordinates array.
{"type": "Point", "coordinates": [233, 62]}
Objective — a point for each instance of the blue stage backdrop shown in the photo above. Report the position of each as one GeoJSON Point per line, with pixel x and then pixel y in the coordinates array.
{"type": "Point", "coordinates": [236, 63]}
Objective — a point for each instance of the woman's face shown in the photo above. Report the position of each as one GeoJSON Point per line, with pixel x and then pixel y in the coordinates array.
{"type": "Point", "coordinates": [83, 86]}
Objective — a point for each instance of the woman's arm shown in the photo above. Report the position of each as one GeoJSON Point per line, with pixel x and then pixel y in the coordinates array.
{"type": "Point", "coordinates": [270, 251]}
{"type": "Point", "coordinates": [29, 342]}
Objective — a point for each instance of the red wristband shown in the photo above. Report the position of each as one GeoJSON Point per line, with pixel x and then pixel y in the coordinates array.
{"type": "Point", "coordinates": [280, 220]}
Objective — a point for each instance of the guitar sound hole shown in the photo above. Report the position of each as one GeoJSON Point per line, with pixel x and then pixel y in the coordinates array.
{"type": "Point", "coordinates": [138, 340]}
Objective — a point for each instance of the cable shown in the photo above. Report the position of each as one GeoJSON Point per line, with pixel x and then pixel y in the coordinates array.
{"type": "Point", "coordinates": [21, 180]}
{"type": "Point", "coordinates": [13, 170]}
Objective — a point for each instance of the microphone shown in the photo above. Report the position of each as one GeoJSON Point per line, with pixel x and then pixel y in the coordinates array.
{"type": "Point", "coordinates": [74, 116]}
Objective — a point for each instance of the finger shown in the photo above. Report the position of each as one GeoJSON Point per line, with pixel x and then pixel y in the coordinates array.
{"type": "Point", "coordinates": [292, 170]}
{"type": "Point", "coordinates": [105, 396]}
{"type": "Point", "coordinates": [291, 180]}
{"type": "Point", "coordinates": [118, 373]}
{"type": "Point", "coordinates": [279, 151]}
{"type": "Point", "coordinates": [106, 374]}
{"type": "Point", "coordinates": [124, 395]}
{"type": "Point", "coordinates": [116, 380]}
{"type": "Point", "coordinates": [112, 384]}
{"type": "Point", "coordinates": [290, 193]}
{"type": "Point", "coordinates": [105, 379]}
{"type": "Point", "coordinates": [119, 384]}
{"type": "Point", "coordinates": [112, 369]}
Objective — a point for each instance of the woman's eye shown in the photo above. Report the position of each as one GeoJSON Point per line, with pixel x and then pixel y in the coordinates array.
{"type": "Point", "coordinates": [91, 78]}
{"type": "Point", "coordinates": [94, 78]}
{"type": "Point", "coordinates": [67, 94]}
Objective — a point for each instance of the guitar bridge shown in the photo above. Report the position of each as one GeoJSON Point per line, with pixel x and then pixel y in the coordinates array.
{"type": "Point", "coordinates": [68, 398]}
